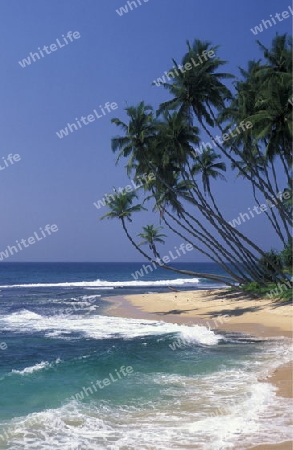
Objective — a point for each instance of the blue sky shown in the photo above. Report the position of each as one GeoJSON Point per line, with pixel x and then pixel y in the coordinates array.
{"type": "Point", "coordinates": [114, 60]}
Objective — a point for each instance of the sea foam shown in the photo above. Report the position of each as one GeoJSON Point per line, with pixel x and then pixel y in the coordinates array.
{"type": "Point", "coordinates": [110, 284]}
{"type": "Point", "coordinates": [101, 327]}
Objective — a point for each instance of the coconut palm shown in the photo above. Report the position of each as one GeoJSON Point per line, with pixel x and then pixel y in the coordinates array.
{"type": "Point", "coordinates": [138, 134]}
{"type": "Point", "coordinates": [261, 100]}
{"type": "Point", "coordinates": [175, 138]}
{"type": "Point", "coordinates": [164, 146]}
{"type": "Point", "coordinates": [207, 166]}
{"type": "Point", "coordinates": [196, 90]}
{"type": "Point", "coordinates": [195, 93]}
{"type": "Point", "coordinates": [121, 208]}
{"type": "Point", "coordinates": [272, 120]}
{"type": "Point", "coordinates": [279, 56]}
{"type": "Point", "coordinates": [151, 236]}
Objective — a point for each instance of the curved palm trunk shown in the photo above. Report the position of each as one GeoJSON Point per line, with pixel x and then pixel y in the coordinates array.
{"type": "Point", "coordinates": [285, 168]}
{"type": "Point", "coordinates": [231, 240]}
{"type": "Point", "coordinates": [245, 255]}
{"type": "Point", "coordinates": [213, 247]}
{"type": "Point", "coordinates": [228, 235]}
{"type": "Point", "coordinates": [223, 265]}
{"type": "Point", "coordinates": [246, 258]}
{"type": "Point", "coordinates": [261, 183]}
{"type": "Point", "coordinates": [225, 225]}
{"type": "Point", "coordinates": [208, 216]}
{"type": "Point", "coordinates": [274, 224]}
{"type": "Point", "coordinates": [208, 276]}
{"type": "Point", "coordinates": [281, 209]}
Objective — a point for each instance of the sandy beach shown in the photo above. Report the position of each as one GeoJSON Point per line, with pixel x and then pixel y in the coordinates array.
{"type": "Point", "coordinates": [222, 310]}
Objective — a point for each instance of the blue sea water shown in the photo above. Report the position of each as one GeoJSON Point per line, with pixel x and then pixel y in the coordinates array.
{"type": "Point", "coordinates": [74, 377]}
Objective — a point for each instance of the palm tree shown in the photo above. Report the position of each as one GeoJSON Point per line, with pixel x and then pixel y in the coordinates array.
{"type": "Point", "coordinates": [151, 236]}
{"type": "Point", "coordinates": [272, 120]}
{"type": "Point", "coordinates": [121, 208]}
{"type": "Point", "coordinates": [171, 177]}
{"type": "Point", "coordinates": [255, 158]}
{"type": "Point", "coordinates": [138, 134]}
{"type": "Point", "coordinates": [279, 57]}
{"type": "Point", "coordinates": [207, 166]}
{"type": "Point", "coordinates": [164, 146]}
{"type": "Point", "coordinates": [262, 99]}
{"type": "Point", "coordinates": [175, 138]}
{"type": "Point", "coordinates": [199, 88]}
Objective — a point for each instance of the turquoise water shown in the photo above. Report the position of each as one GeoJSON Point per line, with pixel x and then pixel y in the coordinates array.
{"type": "Point", "coordinates": [73, 377]}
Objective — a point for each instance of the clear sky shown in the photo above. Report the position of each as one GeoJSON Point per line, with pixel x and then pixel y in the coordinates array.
{"type": "Point", "coordinates": [115, 59]}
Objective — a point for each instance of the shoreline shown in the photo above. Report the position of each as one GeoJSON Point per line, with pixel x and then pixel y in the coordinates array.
{"type": "Point", "coordinates": [217, 309]}
{"type": "Point", "coordinates": [220, 310]}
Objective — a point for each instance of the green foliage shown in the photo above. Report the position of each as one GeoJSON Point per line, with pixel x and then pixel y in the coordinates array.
{"type": "Point", "coordinates": [257, 289]}
{"type": "Point", "coordinates": [185, 182]}
{"type": "Point", "coordinates": [121, 206]}
{"type": "Point", "coordinates": [267, 290]}
{"type": "Point", "coordinates": [268, 264]}
{"type": "Point", "coordinates": [151, 235]}
{"type": "Point", "coordinates": [287, 256]}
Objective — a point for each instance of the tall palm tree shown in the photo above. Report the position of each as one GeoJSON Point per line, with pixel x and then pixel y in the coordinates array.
{"type": "Point", "coordinates": [121, 208]}
{"type": "Point", "coordinates": [171, 177]}
{"type": "Point", "coordinates": [194, 91]}
{"type": "Point", "coordinates": [175, 139]}
{"type": "Point", "coordinates": [162, 145]}
{"type": "Point", "coordinates": [138, 134]}
{"type": "Point", "coordinates": [262, 100]}
{"type": "Point", "coordinates": [279, 56]}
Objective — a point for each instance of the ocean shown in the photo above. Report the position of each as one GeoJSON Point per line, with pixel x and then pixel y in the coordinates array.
{"type": "Point", "coordinates": [75, 378]}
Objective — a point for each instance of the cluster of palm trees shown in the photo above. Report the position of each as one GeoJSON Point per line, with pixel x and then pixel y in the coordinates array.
{"type": "Point", "coordinates": [182, 192]}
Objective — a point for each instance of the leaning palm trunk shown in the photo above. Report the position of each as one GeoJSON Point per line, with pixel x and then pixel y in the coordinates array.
{"type": "Point", "coordinates": [210, 217]}
{"type": "Point", "coordinates": [218, 278]}
{"type": "Point", "coordinates": [241, 252]}
{"type": "Point", "coordinates": [222, 264]}
{"type": "Point", "coordinates": [255, 177]}
{"type": "Point", "coordinates": [231, 239]}
{"type": "Point", "coordinates": [213, 247]}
